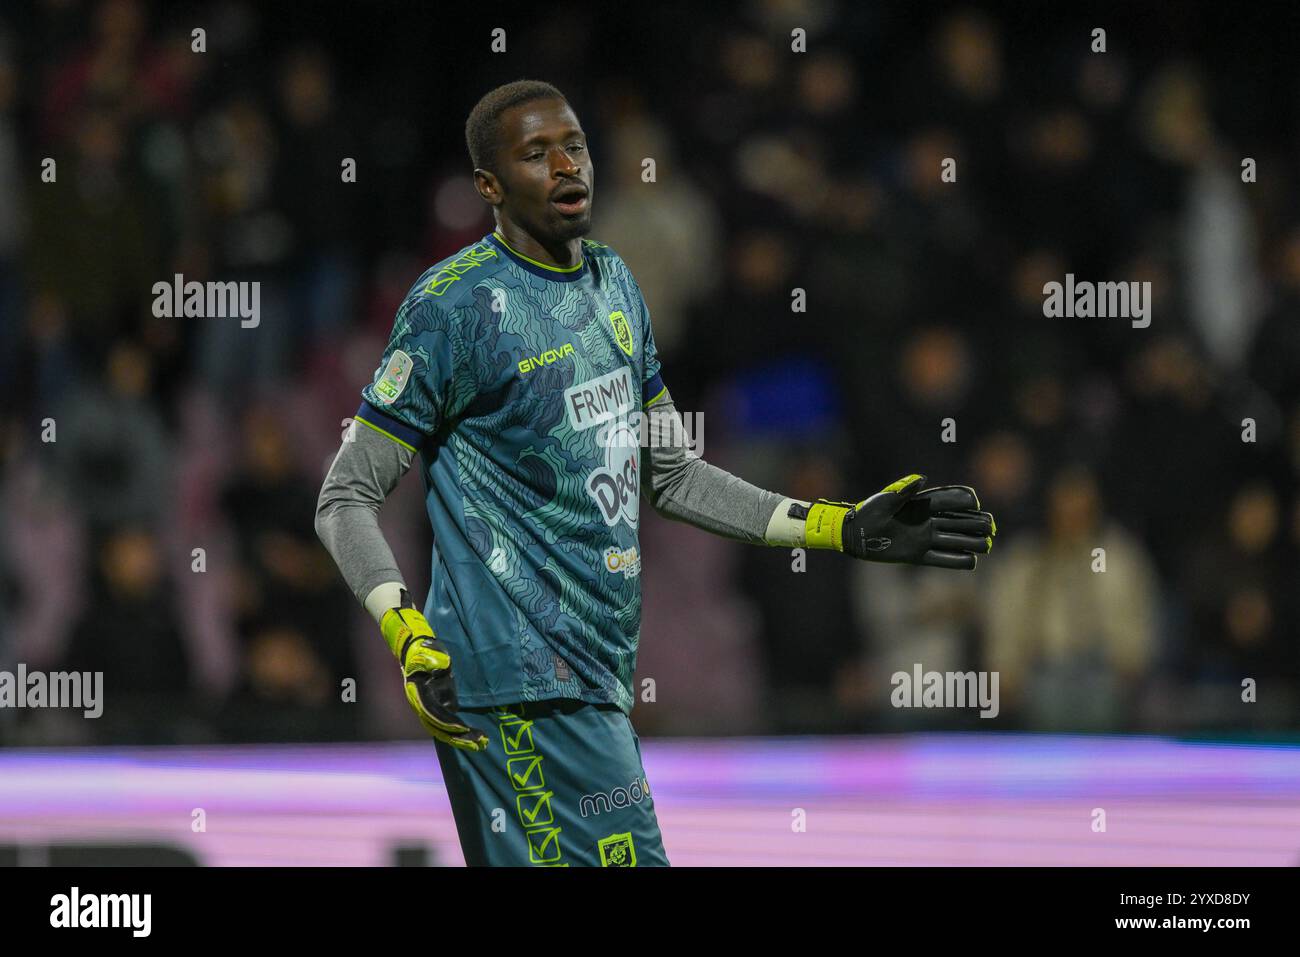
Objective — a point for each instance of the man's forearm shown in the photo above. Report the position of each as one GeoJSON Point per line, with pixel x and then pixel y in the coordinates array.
{"type": "Point", "coordinates": [682, 486]}
{"type": "Point", "coordinates": [366, 469]}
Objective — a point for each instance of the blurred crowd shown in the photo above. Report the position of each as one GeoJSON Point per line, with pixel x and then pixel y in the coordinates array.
{"type": "Point", "coordinates": [159, 476]}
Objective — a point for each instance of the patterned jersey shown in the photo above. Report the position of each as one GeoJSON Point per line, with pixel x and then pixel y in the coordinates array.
{"type": "Point", "coordinates": [522, 387]}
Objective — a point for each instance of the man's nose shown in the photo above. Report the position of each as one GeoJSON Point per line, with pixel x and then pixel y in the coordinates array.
{"type": "Point", "coordinates": [565, 164]}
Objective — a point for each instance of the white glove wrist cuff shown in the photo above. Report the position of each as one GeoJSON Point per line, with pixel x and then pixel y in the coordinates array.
{"type": "Point", "coordinates": [784, 530]}
{"type": "Point", "coordinates": [383, 597]}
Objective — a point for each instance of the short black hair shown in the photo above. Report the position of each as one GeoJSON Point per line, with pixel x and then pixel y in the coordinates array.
{"type": "Point", "coordinates": [484, 123]}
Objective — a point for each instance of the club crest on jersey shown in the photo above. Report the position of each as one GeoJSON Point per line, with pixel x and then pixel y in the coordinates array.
{"type": "Point", "coordinates": [616, 486]}
{"type": "Point", "coordinates": [396, 374]}
{"type": "Point", "coordinates": [622, 331]}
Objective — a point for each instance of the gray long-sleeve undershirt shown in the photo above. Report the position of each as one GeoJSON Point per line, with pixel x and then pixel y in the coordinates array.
{"type": "Point", "coordinates": [677, 483]}
{"type": "Point", "coordinates": [365, 472]}
{"type": "Point", "coordinates": [681, 486]}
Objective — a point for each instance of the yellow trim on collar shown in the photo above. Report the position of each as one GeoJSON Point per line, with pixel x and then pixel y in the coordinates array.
{"type": "Point", "coordinates": [503, 242]}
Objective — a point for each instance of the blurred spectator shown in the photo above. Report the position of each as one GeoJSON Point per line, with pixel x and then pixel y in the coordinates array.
{"type": "Point", "coordinates": [806, 640]}
{"type": "Point", "coordinates": [1240, 584]}
{"type": "Point", "coordinates": [1164, 426]}
{"type": "Point", "coordinates": [905, 414]}
{"type": "Point", "coordinates": [1224, 292]}
{"type": "Point", "coordinates": [94, 243]}
{"type": "Point", "coordinates": [315, 201]}
{"type": "Point", "coordinates": [1069, 640]}
{"type": "Point", "coordinates": [1002, 472]}
{"type": "Point", "coordinates": [912, 616]}
{"type": "Point", "coordinates": [292, 605]}
{"type": "Point", "coordinates": [130, 632]}
{"type": "Point", "coordinates": [113, 455]}
{"type": "Point", "coordinates": [11, 216]}
{"type": "Point", "coordinates": [666, 230]}
{"type": "Point", "coordinates": [252, 241]}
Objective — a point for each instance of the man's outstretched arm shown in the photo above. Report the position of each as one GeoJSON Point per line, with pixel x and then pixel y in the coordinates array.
{"type": "Point", "coordinates": [904, 523]}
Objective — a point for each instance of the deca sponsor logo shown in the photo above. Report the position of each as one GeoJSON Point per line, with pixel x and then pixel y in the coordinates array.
{"type": "Point", "coordinates": [615, 487]}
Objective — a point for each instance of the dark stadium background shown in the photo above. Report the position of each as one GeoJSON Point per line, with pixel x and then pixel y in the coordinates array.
{"type": "Point", "coordinates": [775, 170]}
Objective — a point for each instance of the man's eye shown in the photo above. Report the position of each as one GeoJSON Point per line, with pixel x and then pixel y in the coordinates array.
{"type": "Point", "coordinates": [577, 146]}
{"type": "Point", "coordinates": [532, 156]}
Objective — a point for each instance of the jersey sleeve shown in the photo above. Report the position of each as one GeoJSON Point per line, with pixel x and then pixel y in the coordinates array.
{"type": "Point", "coordinates": [652, 383]}
{"type": "Point", "coordinates": [424, 379]}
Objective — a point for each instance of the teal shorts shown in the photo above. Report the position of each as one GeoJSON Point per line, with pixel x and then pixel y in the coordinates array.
{"type": "Point", "coordinates": [561, 783]}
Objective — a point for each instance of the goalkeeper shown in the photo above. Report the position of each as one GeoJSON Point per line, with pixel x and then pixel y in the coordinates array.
{"type": "Point", "coordinates": [518, 371]}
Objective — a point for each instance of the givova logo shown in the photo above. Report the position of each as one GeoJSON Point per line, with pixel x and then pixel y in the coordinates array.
{"type": "Point", "coordinates": [529, 363]}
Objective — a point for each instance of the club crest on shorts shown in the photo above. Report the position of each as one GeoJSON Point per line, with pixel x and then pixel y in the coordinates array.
{"type": "Point", "coordinates": [617, 851]}
{"type": "Point", "coordinates": [622, 331]}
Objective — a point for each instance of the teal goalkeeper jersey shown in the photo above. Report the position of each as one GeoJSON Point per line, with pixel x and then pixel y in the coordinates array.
{"type": "Point", "coordinates": [522, 387]}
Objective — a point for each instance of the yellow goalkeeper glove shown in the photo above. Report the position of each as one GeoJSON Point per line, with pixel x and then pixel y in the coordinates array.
{"type": "Point", "coordinates": [426, 666]}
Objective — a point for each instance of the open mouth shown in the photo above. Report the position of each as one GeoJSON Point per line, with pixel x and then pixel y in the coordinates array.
{"type": "Point", "coordinates": [571, 201]}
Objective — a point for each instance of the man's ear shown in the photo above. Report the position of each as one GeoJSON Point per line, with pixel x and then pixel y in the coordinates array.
{"type": "Point", "coordinates": [489, 187]}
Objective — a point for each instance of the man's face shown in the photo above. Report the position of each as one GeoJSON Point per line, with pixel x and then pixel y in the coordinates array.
{"type": "Point", "coordinates": [544, 172]}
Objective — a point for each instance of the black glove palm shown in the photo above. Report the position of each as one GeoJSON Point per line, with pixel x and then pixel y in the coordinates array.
{"type": "Point", "coordinates": [942, 527]}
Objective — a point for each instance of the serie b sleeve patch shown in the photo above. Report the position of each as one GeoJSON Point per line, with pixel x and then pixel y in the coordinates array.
{"type": "Point", "coordinates": [397, 372]}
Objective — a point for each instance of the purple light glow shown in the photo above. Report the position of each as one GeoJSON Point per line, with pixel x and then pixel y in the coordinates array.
{"type": "Point", "coordinates": [1009, 799]}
